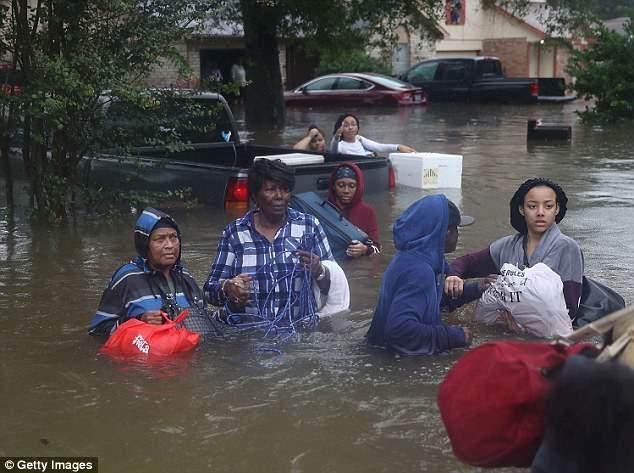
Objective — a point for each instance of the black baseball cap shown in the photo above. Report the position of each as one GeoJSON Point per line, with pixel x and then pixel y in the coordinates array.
{"type": "Point", "coordinates": [455, 219]}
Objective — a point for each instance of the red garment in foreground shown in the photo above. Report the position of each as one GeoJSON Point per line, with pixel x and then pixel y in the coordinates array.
{"type": "Point", "coordinates": [492, 401]}
{"type": "Point", "coordinates": [358, 212]}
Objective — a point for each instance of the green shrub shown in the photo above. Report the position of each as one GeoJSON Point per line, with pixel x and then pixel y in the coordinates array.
{"type": "Point", "coordinates": [604, 73]}
{"type": "Point", "coordinates": [350, 61]}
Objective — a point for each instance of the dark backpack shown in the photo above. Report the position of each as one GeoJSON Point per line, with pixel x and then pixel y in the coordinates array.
{"type": "Point", "coordinates": [597, 300]}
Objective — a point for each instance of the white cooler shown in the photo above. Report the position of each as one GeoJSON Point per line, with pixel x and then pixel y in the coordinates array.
{"type": "Point", "coordinates": [294, 159]}
{"type": "Point", "coordinates": [427, 170]}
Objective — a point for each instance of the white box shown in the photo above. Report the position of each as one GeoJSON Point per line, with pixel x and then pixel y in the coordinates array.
{"type": "Point", "coordinates": [295, 159]}
{"type": "Point", "coordinates": [427, 170]}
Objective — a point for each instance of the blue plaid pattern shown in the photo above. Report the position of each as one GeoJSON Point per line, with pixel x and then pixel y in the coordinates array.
{"type": "Point", "coordinates": [277, 277]}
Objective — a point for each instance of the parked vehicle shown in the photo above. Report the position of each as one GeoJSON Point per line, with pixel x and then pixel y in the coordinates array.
{"type": "Point", "coordinates": [215, 169]}
{"type": "Point", "coordinates": [355, 89]}
{"type": "Point", "coordinates": [477, 79]}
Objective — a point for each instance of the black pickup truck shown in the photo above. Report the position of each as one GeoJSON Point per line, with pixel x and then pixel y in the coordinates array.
{"type": "Point", "coordinates": [215, 169]}
{"type": "Point", "coordinates": [480, 79]}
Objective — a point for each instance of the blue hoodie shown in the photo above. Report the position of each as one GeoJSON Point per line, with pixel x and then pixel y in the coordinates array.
{"type": "Point", "coordinates": [407, 315]}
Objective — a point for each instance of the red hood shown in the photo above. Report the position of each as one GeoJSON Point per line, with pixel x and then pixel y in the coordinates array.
{"type": "Point", "coordinates": [358, 196]}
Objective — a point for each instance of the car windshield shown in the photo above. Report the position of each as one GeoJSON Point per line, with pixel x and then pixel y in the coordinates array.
{"type": "Point", "coordinates": [390, 82]}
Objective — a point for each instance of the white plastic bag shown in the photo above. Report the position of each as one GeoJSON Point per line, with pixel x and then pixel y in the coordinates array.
{"type": "Point", "coordinates": [338, 299]}
{"type": "Point", "coordinates": [534, 297]}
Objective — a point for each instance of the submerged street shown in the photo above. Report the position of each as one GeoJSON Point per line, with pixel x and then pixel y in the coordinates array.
{"type": "Point", "coordinates": [327, 403]}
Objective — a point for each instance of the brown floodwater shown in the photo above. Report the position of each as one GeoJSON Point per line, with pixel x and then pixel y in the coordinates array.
{"type": "Point", "coordinates": [326, 403]}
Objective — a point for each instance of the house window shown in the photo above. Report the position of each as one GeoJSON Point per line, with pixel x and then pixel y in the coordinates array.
{"type": "Point", "coordinates": [455, 12]}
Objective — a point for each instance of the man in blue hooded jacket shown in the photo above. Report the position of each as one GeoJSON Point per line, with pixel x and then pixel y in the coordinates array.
{"type": "Point", "coordinates": [407, 316]}
{"type": "Point", "coordinates": [153, 282]}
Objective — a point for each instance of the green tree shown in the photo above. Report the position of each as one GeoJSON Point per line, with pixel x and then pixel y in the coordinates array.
{"type": "Point", "coordinates": [350, 61]}
{"type": "Point", "coordinates": [67, 52]}
{"type": "Point", "coordinates": [612, 9]}
{"type": "Point", "coordinates": [604, 72]}
{"type": "Point", "coordinates": [347, 25]}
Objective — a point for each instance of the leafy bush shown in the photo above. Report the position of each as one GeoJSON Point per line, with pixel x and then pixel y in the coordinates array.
{"type": "Point", "coordinates": [604, 72]}
{"type": "Point", "coordinates": [350, 61]}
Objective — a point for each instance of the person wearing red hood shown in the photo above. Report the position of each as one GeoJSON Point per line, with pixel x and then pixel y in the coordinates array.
{"type": "Point", "coordinates": [346, 189]}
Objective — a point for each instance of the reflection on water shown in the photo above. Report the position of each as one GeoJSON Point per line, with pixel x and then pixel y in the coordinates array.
{"type": "Point", "coordinates": [326, 403]}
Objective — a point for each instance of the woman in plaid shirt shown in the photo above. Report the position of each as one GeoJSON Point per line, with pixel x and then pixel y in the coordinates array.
{"type": "Point", "coordinates": [266, 258]}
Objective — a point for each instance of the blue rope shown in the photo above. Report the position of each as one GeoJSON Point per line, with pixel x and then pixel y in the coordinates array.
{"type": "Point", "coordinates": [282, 325]}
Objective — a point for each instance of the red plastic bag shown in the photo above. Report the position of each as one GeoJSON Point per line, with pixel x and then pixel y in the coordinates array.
{"type": "Point", "coordinates": [134, 338]}
{"type": "Point", "coordinates": [492, 401]}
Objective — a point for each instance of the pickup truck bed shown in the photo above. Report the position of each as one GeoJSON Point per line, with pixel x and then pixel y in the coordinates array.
{"type": "Point", "coordinates": [216, 172]}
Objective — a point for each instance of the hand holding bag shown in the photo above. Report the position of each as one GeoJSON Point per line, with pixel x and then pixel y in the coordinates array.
{"type": "Point", "coordinates": [134, 338]}
{"type": "Point", "coordinates": [534, 298]}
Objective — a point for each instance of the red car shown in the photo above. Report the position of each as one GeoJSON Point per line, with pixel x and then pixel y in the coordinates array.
{"type": "Point", "coordinates": [356, 89]}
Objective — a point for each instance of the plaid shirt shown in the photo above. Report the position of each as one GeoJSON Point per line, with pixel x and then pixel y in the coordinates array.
{"type": "Point", "coordinates": [273, 266]}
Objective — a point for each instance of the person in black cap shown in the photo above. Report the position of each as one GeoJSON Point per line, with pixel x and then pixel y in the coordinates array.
{"type": "Point", "coordinates": [536, 208]}
{"type": "Point", "coordinates": [153, 282]}
{"type": "Point", "coordinates": [407, 319]}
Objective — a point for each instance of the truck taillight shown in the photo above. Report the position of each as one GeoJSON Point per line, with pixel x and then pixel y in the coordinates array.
{"type": "Point", "coordinates": [237, 191]}
{"type": "Point", "coordinates": [534, 89]}
{"type": "Point", "coordinates": [391, 177]}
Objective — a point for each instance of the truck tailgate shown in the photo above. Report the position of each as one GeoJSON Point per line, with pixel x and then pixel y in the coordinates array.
{"type": "Point", "coordinates": [314, 177]}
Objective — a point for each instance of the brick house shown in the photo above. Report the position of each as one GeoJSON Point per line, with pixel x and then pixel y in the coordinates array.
{"type": "Point", "coordinates": [468, 29]}
{"type": "Point", "coordinates": [210, 48]}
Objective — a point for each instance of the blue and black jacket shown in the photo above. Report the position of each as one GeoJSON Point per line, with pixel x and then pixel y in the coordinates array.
{"type": "Point", "coordinates": [136, 288]}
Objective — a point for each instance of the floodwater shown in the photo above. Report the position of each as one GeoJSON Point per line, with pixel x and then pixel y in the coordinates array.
{"type": "Point", "coordinates": [326, 403]}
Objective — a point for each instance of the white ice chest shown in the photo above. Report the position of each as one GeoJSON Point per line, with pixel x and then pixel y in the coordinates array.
{"type": "Point", "coordinates": [427, 170]}
{"type": "Point", "coordinates": [294, 159]}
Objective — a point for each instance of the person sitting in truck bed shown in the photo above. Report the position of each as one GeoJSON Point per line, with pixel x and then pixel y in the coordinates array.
{"type": "Point", "coordinates": [346, 140]}
{"type": "Point", "coordinates": [315, 140]}
{"type": "Point", "coordinates": [255, 272]}
{"type": "Point", "coordinates": [347, 185]}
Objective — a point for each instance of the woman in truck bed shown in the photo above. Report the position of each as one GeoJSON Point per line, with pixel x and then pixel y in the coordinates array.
{"type": "Point", "coordinates": [346, 140]}
{"type": "Point", "coordinates": [315, 140]}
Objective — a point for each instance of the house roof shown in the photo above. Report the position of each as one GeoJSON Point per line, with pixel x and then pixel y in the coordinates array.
{"type": "Point", "coordinates": [535, 18]}
{"type": "Point", "coordinates": [531, 20]}
{"type": "Point", "coordinates": [209, 29]}
{"type": "Point", "coordinates": [616, 24]}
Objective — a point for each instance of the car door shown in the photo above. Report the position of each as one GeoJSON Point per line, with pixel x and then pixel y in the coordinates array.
{"type": "Point", "coordinates": [317, 91]}
{"type": "Point", "coordinates": [422, 75]}
{"type": "Point", "coordinates": [451, 80]}
{"type": "Point", "coordinates": [354, 91]}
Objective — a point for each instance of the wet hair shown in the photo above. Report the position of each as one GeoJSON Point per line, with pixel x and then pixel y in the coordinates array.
{"type": "Point", "coordinates": [590, 414]}
{"type": "Point", "coordinates": [269, 170]}
{"type": "Point", "coordinates": [313, 126]}
{"type": "Point", "coordinates": [341, 118]}
{"type": "Point", "coordinates": [517, 219]}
